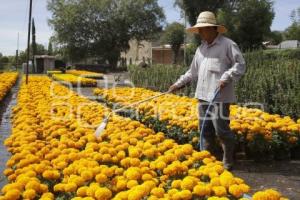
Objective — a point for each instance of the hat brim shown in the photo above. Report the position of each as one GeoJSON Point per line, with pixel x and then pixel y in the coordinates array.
{"type": "Point", "coordinates": [195, 29]}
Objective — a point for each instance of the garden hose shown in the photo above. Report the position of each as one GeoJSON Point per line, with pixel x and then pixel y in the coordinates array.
{"type": "Point", "coordinates": [217, 91]}
{"type": "Point", "coordinates": [103, 124]}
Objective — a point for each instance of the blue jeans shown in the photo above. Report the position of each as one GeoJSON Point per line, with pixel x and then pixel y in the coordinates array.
{"type": "Point", "coordinates": [217, 127]}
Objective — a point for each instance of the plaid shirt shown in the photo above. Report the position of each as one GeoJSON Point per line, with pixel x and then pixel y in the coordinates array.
{"type": "Point", "coordinates": [220, 60]}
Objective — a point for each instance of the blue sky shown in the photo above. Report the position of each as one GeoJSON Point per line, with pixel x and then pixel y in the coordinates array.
{"type": "Point", "coordinates": [14, 19]}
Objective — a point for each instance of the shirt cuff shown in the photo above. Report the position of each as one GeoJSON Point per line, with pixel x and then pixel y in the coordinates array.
{"type": "Point", "coordinates": [225, 77]}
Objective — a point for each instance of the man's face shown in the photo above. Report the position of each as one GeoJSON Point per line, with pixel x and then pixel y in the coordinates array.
{"type": "Point", "coordinates": [207, 33]}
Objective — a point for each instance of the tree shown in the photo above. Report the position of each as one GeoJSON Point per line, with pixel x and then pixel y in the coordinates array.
{"type": "Point", "coordinates": [50, 48]}
{"type": "Point", "coordinates": [275, 37]}
{"type": "Point", "coordinates": [174, 35]}
{"type": "Point", "coordinates": [248, 21]}
{"type": "Point", "coordinates": [103, 28]}
{"type": "Point", "coordinates": [4, 61]}
{"type": "Point", "coordinates": [34, 47]}
{"type": "Point", "coordinates": [293, 31]}
{"type": "Point", "coordinates": [192, 8]}
{"type": "Point", "coordinates": [40, 50]}
{"type": "Point", "coordinates": [254, 21]}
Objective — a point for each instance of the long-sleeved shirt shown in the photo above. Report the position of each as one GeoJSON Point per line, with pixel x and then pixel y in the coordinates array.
{"type": "Point", "coordinates": [219, 61]}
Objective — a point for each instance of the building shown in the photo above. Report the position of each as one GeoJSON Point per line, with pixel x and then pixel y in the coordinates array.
{"type": "Point", "coordinates": [150, 53]}
{"type": "Point", "coordinates": [163, 54]}
{"type": "Point", "coordinates": [289, 44]}
{"type": "Point", "coordinates": [43, 63]}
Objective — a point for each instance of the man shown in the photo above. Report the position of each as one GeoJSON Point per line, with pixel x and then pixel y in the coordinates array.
{"type": "Point", "coordinates": [217, 63]}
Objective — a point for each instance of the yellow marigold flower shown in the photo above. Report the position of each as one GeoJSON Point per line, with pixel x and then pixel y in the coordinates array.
{"type": "Point", "coordinates": [186, 194]}
{"type": "Point", "coordinates": [219, 191]}
{"type": "Point", "coordinates": [146, 177]}
{"type": "Point", "coordinates": [153, 198]}
{"type": "Point", "coordinates": [92, 189]}
{"type": "Point", "coordinates": [58, 187]}
{"type": "Point", "coordinates": [213, 174]}
{"type": "Point", "coordinates": [176, 184]}
{"type": "Point", "coordinates": [70, 187]}
{"type": "Point", "coordinates": [106, 158]}
{"type": "Point", "coordinates": [150, 183]}
{"type": "Point", "coordinates": [122, 195]}
{"type": "Point", "coordinates": [150, 153]}
{"type": "Point", "coordinates": [23, 180]}
{"type": "Point", "coordinates": [134, 153]}
{"type": "Point", "coordinates": [48, 196]}
{"type": "Point", "coordinates": [135, 195]}
{"type": "Point", "coordinates": [226, 179]}
{"type": "Point", "coordinates": [87, 175]}
{"type": "Point", "coordinates": [43, 188]}
{"type": "Point", "coordinates": [12, 194]}
{"type": "Point", "coordinates": [219, 169]}
{"type": "Point", "coordinates": [121, 185]}
{"type": "Point", "coordinates": [76, 198]}
{"type": "Point", "coordinates": [132, 183]}
{"type": "Point", "coordinates": [273, 193]}
{"type": "Point", "coordinates": [133, 174]}
{"type": "Point", "coordinates": [207, 160]}
{"type": "Point", "coordinates": [82, 191]}
{"type": "Point", "coordinates": [121, 155]}
{"type": "Point", "coordinates": [158, 192]}
{"type": "Point", "coordinates": [235, 190]}
{"type": "Point", "coordinates": [239, 180]}
{"type": "Point", "coordinates": [33, 185]}
{"type": "Point", "coordinates": [195, 139]}
{"type": "Point", "coordinates": [201, 190]}
{"type": "Point", "coordinates": [8, 171]}
{"type": "Point", "coordinates": [187, 184]}
{"type": "Point", "coordinates": [135, 162]}
{"type": "Point", "coordinates": [161, 165]}
{"type": "Point", "coordinates": [51, 174]}
{"type": "Point", "coordinates": [215, 181]}
{"type": "Point", "coordinates": [245, 188]}
{"type": "Point", "coordinates": [267, 194]}
{"type": "Point", "coordinates": [101, 178]}
{"type": "Point", "coordinates": [103, 194]}
{"type": "Point", "coordinates": [29, 194]}
{"type": "Point", "coordinates": [187, 149]}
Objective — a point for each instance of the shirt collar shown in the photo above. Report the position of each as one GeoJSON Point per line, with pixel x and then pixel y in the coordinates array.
{"type": "Point", "coordinates": [216, 41]}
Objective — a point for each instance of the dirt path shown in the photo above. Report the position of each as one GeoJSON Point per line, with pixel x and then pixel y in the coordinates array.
{"type": "Point", "coordinates": [283, 176]}
{"type": "Point", "coordinates": [5, 127]}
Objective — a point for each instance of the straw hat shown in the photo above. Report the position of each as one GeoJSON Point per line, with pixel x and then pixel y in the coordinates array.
{"type": "Point", "coordinates": [206, 19]}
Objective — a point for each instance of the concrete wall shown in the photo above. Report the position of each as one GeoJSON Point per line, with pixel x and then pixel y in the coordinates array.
{"type": "Point", "coordinates": [149, 54]}
{"type": "Point", "coordinates": [137, 52]}
{"type": "Point", "coordinates": [165, 56]}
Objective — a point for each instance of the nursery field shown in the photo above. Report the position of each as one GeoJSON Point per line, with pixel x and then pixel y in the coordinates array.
{"type": "Point", "coordinates": [144, 153]}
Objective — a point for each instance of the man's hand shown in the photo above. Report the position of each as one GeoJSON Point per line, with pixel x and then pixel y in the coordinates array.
{"type": "Point", "coordinates": [173, 88]}
{"type": "Point", "coordinates": [222, 84]}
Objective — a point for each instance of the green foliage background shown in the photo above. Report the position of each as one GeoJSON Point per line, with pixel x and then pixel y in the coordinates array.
{"type": "Point", "coordinates": [272, 78]}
